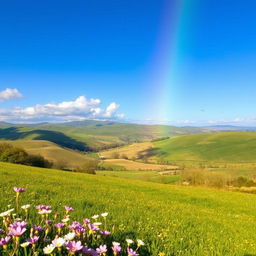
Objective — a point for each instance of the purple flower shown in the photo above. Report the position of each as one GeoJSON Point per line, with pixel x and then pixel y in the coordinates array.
{"type": "Point", "coordinates": [33, 240]}
{"type": "Point", "coordinates": [89, 251]}
{"type": "Point", "coordinates": [131, 252]}
{"type": "Point", "coordinates": [1, 231]}
{"type": "Point", "coordinates": [77, 227]}
{"type": "Point", "coordinates": [37, 228]}
{"type": "Point", "coordinates": [43, 207]}
{"type": "Point", "coordinates": [92, 227]}
{"type": "Point", "coordinates": [73, 246]}
{"type": "Point", "coordinates": [48, 222]}
{"type": "Point", "coordinates": [105, 233]}
{"type": "Point", "coordinates": [17, 228]}
{"type": "Point", "coordinates": [60, 225]}
{"type": "Point", "coordinates": [116, 248]}
{"type": "Point", "coordinates": [19, 190]}
{"type": "Point", "coordinates": [68, 209]}
{"type": "Point", "coordinates": [86, 221]}
{"type": "Point", "coordinates": [102, 249]}
{"type": "Point", "coordinates": [4, 241]}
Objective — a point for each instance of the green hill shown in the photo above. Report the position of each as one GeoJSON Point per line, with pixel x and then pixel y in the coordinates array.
{"type": "Point", "coordinates": [176, 220]}
{"type": "Point", "coordinates": [221, 147]}
{"type": "Point", "coordinates": [91, 135]}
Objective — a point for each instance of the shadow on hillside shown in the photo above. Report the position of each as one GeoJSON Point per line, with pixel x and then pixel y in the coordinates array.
{"type": "Point", "coordinates": [249, 254]}
{"type": "Point", "coordinates": [14, 133]}
{"type": "Point", "coordinates": [147, 153]}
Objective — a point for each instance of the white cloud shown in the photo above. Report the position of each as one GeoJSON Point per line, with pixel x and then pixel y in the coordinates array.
{"type": "Point", "coordinates": [79, 109]}
{"type": "Point", "coordinates": [9, 94]}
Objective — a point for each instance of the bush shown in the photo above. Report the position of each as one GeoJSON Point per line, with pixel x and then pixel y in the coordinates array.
{"type": "Point", "coordinates": [90, 166]}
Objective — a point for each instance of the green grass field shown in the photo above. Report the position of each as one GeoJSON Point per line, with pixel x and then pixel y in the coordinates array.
{"type": "Point", "coordinates": [217, 147]}
{"type": "Point", "coordinates": [172, 219]}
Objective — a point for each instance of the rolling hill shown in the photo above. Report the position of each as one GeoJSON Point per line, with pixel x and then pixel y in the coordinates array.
{"type": "Point", "coordinates": [171, 219]}
{"type": "Point", "coordinates": [91, 135]}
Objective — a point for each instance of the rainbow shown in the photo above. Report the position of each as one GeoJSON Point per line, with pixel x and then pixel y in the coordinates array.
{"type": "Point", "coordinates": [166, 59]}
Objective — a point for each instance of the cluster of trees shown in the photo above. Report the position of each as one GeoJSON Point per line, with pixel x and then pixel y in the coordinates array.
{"type": "Point", "coordinates": [202, 177]}
{"type": "Point", "coordinates": [11, 154]}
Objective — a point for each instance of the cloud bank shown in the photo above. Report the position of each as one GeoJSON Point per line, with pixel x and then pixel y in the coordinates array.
{"type": "Point", "coordinates": [79, 109]}
{"type": "Point", "coordinates": [9, 94]}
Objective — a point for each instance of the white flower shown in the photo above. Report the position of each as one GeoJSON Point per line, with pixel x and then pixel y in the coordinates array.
{"type": "Point", "coordinates": [6, 213]}
{"type": "Point", "coordinates": [65, 220]}
{"type": "Point", "coordinates": [115, 244]}
{"type": "Point", "coordinates": [58, 242]}
{"type": "Point", "coordinates": [104, 214]}
{"type": "Point", "coordinates": [140, 242]}
{"type": "Point", "coordinates": [95, 216]}
{"type": "Point", "coordinates": [48, 249]}
{"type": "Point", "coordinates": [42, 212]}
{"type": "Point", "coordinates": [129, 241]}
{"type": "Point", "coordinates": [70, 236]}
{"type": "Point", "coordinates": [24, 245]}
{"type": "Point", "coordinates": [97, 223]}
{"type": "Point", "coordinates": [26, 206]}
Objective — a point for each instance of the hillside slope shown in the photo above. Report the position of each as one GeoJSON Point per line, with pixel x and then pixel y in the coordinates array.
{"type": "Point", "coordinates": [223, 146]}
{"type": "Point", "coordinates": [52, 152]}
{"type": "Point", "coordinates": [176, 220]}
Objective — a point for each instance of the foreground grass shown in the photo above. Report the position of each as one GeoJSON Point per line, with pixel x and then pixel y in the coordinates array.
{"type": "Point", "coordinates": [171, 219]}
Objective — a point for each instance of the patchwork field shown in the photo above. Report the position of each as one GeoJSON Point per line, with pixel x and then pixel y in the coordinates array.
{"type": "Point", "coordinates": [132, 165]}
{"type": "Point", "coordinates": [172, 219]}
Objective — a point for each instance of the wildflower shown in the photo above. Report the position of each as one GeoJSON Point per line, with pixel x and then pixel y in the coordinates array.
{"type": "Point", "coordinates": [44, 212]}
{"type": "Point", "coordinates": [60, 225]}
{"type": "Point", "coordinates": [86, 221]}
{"type": "Point", "coordinates": [5, 241]}
{"type": "Point", "coordinates": [73, 246]}
{"type": "Point", "coordinates": [89, 251]}
{"type": "Point", "coordinates": [58, 242]}
{"type": "Point", "coordinates": [25, 207]}
{"type": "Point", "coordinates": [116, 248]}
{"type": "Point", "coordinates": [18, 190]}
{"type": "Point", "coordinates": [38, 228]}
{"type": "Point", "coordinates": [48, 249]}
{"type": "Point", "coordinates": [1, 231]}
{"type": "Point", "coordinates": [77, 227]}
{"type": "Point", "coordinates": [102, 249]}
{"type": "Point", "coordinates": [18, 228]}
{"type": "Point", "coordinates": [65, 220]}
{"type": "Point", "coordinates": [131, 252]}
{"type": "Point", "coordinates": [25, 244]}
{"type": "Point", "coordinates": [104, 215]}
{"type": "Point", "coordinates": [105, 233]}
{"type": "Point", "coordinates": [97, 224]}
{"type": "Point", "coordinates": [33, 240]}
{"type": "Point", "coordinates": [129, 241]}
{"type": "Point", "coordinates": [161, 254]}
{"type": "Point", "coordinates": [95, 217]}
{"type": "Point", "coordinates": [68, 209]}
{"type": "Point", "coordinates": [92, 228]}
{"type": "Point", "coordinates": [48, 222]}
{"type": "Point", "coordinates": [70, 236]}
{"type": "Point", "coordinates": [6, 213]}
{"type": "Point", "coordinates": [140, 242]}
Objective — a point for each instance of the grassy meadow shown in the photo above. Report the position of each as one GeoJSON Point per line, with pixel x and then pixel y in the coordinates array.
{"type": "Point", "coordinates": [173, 219]}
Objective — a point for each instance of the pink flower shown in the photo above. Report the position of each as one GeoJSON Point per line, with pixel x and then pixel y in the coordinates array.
{"type": "Point", "coordinates": [89, 251]}
{"type": "Point", "coordinates": [93, 227]}
{"type": "Point", "coordinates": [131, 252]}
{"type": "Point", "coordinates": [77, 227]}
{"type": "Point", "coordinates": [37, 228]}
{"type": "Point", "coordinates": [102, 249]}
{"type": "Point", "coordinates": [116, 248]}
{"type": "Point", "coordinates": [73, 246]}
{"type": "Point", "coordinates": [4, 241]}
{"type": "Point", "coordinates": [68, 209]}
{"type": "Point", "coordinates": [60, 225]}
{"type": "Point", "coordinates": [43, 207]}
{"type": "Point", "coordinates": [17, 228]}
{"type": "Point", "coordinates": [105, 233]}
{"type": "Point", "coordinates": [19, 190]}
{"type": "Point", "coordinates": [86, 221]}
{"type": "Point", "coordinates": [33, 240]}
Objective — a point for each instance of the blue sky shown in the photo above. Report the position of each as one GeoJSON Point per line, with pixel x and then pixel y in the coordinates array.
{"type": "Point", "coordinates": [193, 60]}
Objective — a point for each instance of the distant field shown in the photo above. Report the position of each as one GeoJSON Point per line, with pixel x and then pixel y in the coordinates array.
{"type": "Point", "coordinates": [132, 165]}
{"type": "Point", "coordinates": [153, 176]}
{"type": "Point", "coordinates": [180, 221]}
{"type": "Point", "coordinates": [51, 151]}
